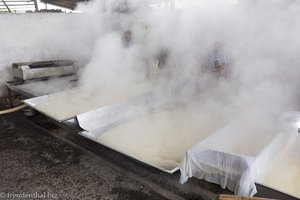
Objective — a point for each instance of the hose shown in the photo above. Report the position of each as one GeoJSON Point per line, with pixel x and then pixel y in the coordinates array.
{"type": "Point", "coordinates": [13, 109]}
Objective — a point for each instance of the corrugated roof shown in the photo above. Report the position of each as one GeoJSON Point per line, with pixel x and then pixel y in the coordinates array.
{"type": "Point", "coordinates": [71, 4]}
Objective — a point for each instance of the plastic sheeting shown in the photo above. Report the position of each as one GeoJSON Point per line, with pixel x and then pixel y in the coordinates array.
{"type": "Point", "coordinates": [234, 157]}
{"type": "Point", "coordinates": [228, 170]}
{"type": "Point", "coordinates": [103, 118]}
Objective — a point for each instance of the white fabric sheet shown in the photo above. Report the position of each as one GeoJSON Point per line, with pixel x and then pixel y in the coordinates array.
{"type": "Point", "coordinates": [233, 159]}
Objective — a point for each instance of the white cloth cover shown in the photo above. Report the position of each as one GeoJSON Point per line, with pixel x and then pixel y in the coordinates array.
{"type": "Point", "coordinates": [215, 159]}
{"type": "Point", "coordinates": [227, 170]}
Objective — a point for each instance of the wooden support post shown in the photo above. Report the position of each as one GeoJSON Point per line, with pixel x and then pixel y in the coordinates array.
{"type": "Point", "coordinates": [10, 97]}
{"type": "Point", "coordinates": [36, 5]}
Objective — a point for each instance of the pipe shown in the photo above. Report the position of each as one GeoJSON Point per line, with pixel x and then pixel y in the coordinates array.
{"type": "Point", "coordinates": [13, 109]}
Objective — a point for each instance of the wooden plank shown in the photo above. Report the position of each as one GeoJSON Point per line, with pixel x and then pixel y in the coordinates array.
{"type": "Point", "coordinates": [232, 197]}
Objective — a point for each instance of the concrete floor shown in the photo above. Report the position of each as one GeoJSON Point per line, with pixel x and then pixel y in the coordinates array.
{"type": "Point", "coordinates": [34, 161]}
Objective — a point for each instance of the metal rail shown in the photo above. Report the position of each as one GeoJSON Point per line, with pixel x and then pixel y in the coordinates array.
{"type": "Point", "coordinates": [18, 5]}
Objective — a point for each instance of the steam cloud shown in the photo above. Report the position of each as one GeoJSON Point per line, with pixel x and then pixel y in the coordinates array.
{"type": "Point", "coordinates": [260, 40]}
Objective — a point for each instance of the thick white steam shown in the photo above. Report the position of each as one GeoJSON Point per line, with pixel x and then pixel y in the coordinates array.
{"type": "Point", "coordinates": [259, 37]}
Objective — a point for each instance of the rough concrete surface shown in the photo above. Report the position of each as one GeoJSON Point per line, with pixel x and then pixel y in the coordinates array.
{"type": "Point", "coordinates": [32, 161]}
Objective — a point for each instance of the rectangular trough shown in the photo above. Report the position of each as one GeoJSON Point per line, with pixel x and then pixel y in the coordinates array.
{"type": "Point", "coordinates": [66, 105]}
{"type": "Point", "coordinates": [158, 137]}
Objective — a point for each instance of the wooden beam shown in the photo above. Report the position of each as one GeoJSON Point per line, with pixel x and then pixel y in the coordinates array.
{"type": "Point", "coordinates": [22, 5]}
{"type": "Point", "coordinates": [6, 6]}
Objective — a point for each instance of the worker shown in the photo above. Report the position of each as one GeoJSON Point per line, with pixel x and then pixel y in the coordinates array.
{"type": "Point", "coordinates": [127, 38]}
{"type": "Point", "coordinates": [162, 58]}
{"type": "Point", "coordinates": [157, 63]}
{"type": "Point", "coordinates": [218, 61]}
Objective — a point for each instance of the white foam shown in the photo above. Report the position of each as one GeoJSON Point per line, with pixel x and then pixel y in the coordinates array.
{"type": "Point", "coordinates": [65, 105]}
{"type": "Point", "coordinates": [161, 138]}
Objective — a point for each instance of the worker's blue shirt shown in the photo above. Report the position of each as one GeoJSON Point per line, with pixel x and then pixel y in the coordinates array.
{"type": "Point", "coordinates": [217, 59]}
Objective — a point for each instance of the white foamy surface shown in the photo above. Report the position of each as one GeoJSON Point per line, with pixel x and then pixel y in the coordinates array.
{"type": "Point", "coordinates": [66, 105]}
{"type": "Point", "coordinates": [161, 138]}
{"type": "Point", "coordinates": [284, 171]}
